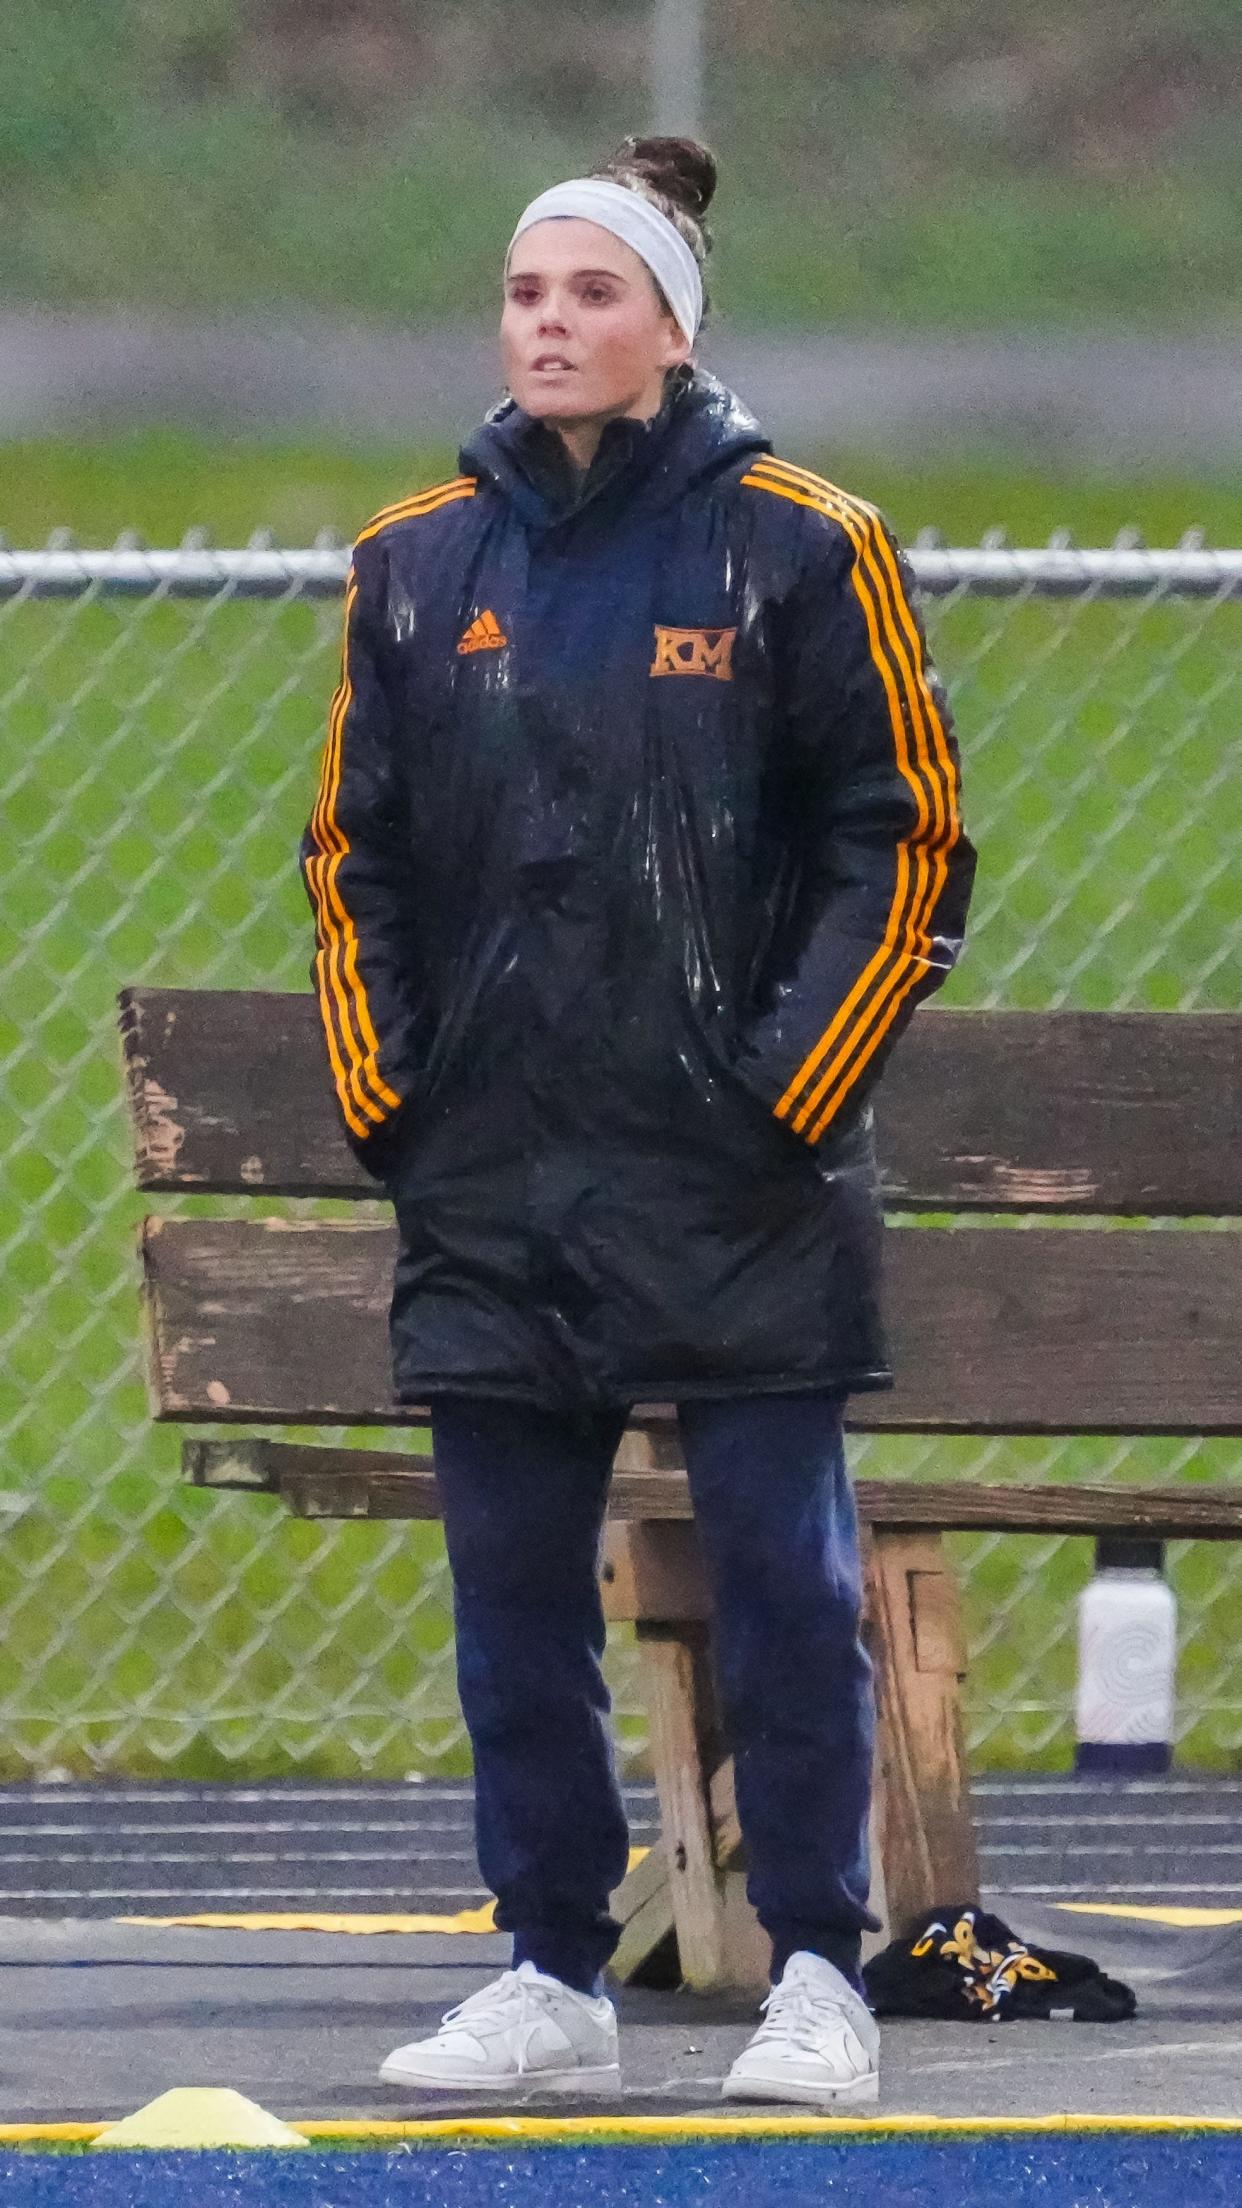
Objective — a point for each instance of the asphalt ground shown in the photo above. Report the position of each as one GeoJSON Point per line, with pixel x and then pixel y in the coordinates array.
{"type": "Point", "coordinates": [98, 2015]}
{"type": "Point", "coordinates": [107, 1850]}
{"type": "Point", "coordinates": [97, 2019]}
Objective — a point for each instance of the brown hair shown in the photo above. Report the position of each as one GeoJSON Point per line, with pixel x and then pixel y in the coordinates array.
{"type": "Point", "coordinates": [678, 175]}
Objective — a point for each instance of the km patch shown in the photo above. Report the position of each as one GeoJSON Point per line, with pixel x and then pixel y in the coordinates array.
{"type": "Point", "coordinates": [694, 652]}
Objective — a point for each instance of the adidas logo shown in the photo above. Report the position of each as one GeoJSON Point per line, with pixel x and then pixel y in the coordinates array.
{"type": "Point", "coordinates": [483, 635]}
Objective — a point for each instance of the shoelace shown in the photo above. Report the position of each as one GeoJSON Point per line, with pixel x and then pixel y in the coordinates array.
{"type": "Point", "coordinates": [797, 2013]}
{"type": "Point", "coordinates": [494, 2004]}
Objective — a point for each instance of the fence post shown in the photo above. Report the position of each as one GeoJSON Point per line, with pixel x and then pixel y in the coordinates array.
{"type": "Point", "coordinates": [677, 68]}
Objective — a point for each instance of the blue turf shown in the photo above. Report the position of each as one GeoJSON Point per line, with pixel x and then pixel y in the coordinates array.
{"type": "Point", "coordinates": [1118, 2170]}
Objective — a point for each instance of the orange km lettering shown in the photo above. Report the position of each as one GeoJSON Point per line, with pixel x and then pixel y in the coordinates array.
{"type": "Point", "coordinates": [694, 652]}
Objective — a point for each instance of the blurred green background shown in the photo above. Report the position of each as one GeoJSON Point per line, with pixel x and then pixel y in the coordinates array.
{"type": "Point", "coordinates": [162, 764]}
{"type": "Point", "coordinates": [163, 482]}
{"type": "Point", "coordinates": [956, 163]}
{"type": "Point", "coordinates": [896, 166]}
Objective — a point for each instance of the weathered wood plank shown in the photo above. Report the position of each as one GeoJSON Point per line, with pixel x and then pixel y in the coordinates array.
{"type": "Point", "coordinates": [643, 1907]}
{"type": "Point", "coordinates": [726, 1824]}
{"type": "Point", "coordinates": [994, 1331]}
{"type": "Point", "coordinates": [1065, 1112]}
{"type": "Point", "coordinates": [922, 1800]}
{"type": "Point", "coordinates": [325, 1482]}
{"type": "Point", "coordinates": [230, 1091]}
{"type": "Point", "coordinates": [719, 1939]}
{"type": "Point", "coordinates": [1059, 1111]}
{"type": "Point", "coordinates": [1070, 1331]}
{"type": "Point", "coordinates": [404, 1487]}
{"type": "Point", "coordinates": [1189, 1513]}
{"type": "Point", "coordinates": [653, 1570]}
{"type": "Point", "coordinates": [673, 1692]}
{"type": "Point", "coordinates": [647, 1952]}
{"type": "Point", "coordinates": [748, 1950]}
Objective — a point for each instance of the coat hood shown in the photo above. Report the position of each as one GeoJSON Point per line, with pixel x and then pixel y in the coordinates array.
{"type": "Point", "coordinates": [701, 428]}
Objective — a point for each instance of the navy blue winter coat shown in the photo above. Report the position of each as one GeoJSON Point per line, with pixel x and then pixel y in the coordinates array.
{"type": "Point", "coordinates": [636, 844]}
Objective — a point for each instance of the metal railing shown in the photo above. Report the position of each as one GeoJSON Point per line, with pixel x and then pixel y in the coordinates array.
{"type": "Point", "coordinates": [163, 715]}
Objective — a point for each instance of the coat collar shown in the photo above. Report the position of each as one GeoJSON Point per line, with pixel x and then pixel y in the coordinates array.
{"type": "Point", "coordinates": [701, 427]}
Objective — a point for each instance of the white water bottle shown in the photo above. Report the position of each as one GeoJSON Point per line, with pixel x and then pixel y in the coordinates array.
{"type": "Point", "coordinates": [1127, 1661]}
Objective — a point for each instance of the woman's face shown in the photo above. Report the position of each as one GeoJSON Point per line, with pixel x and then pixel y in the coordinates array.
{"type": "Point", "coordinates": [583, 332]}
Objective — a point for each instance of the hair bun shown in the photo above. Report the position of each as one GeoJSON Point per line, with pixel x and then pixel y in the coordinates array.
{"type": "Point", "coordinates": [682, 169]}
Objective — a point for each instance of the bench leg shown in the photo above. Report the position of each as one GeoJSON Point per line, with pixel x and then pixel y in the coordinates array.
{"type": "Point", "coordinates": [719, 1939]}
{"type": "Point", "coordinates": [921, 1803]}
{"type": "Point", "coordinates": [677, 1695]}
{"type": "Point", "coordinates": [683, 1909]}
{"type": "Point", "coordinates": [922, 1836]}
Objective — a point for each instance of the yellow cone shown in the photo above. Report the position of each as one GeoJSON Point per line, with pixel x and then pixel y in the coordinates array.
{"type": "Point", "coordinates": [200, 2116]}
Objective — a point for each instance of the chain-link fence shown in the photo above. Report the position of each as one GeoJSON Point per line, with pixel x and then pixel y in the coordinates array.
{"type": "Point", "coordinates": [163, 719]}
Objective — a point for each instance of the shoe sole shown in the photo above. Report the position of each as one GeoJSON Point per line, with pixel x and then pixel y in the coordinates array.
{"type": "Point", "coordinates": [606, 2078]}
{"type": "Point", "coordinates": [857, 2093]}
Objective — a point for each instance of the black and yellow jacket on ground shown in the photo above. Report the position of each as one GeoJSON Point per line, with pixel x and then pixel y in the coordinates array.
{"type": "Point", "coordinates": [636, 844]}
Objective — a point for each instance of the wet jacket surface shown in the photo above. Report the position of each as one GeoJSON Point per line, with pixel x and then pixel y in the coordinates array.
{"type": "Point", "coordinates": [637, 841]}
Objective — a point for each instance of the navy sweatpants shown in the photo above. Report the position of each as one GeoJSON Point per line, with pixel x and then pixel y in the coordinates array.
{"type": "Point", "coordinates": [524, 1492]}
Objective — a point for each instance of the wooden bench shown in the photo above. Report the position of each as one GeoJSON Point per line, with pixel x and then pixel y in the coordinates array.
{"type": "Point", "coordinates": [1100, 1329]}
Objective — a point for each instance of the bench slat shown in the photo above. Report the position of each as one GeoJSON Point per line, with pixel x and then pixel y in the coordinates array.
{"type": "Point", "coordinates": [1044, 1331]}
{"type": "Point", "coordinates": [405, 1487]}
{"type": "Point", "coordinates": [1059, 1111]}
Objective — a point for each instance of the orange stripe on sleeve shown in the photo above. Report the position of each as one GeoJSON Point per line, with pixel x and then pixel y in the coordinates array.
{"type": "Point", "coordinates": [932, 852]}
{"type": "Point", "coordinates": [863, 1057]}
{"type": "Point", "coordinates": [338, 978]}
{"type": "Point", "coordinates": [420, 502]}
{"type": "Point", "coordinates": [334, 1016]}
{"type": "Point", "coordinates": [835, 1083]}
{"type": "Point", "coordinates": [911, 873]}
{"type": "Point", "coordinates": [367, 1066]}
{"type": "Point", "coordinates": [905, 615]}
{"type": "Point", "coordinates": [922, 856]}
{"type": "Point", "coordinates": [353, 979]}
{"type": "Point", "coordinates": [354, 1048]}
{"type": "Point", "coordinates": [341, 1045]}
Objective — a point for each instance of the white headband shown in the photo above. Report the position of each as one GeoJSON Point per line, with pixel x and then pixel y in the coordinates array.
{"type": "Point", "coordinates": [633, 218]}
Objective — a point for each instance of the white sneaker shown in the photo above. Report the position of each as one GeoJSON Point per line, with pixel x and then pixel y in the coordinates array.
{"type": "Point", "coordinates": [522, 2030]}
{"type": "Point", "coordinates": [819, 2042]}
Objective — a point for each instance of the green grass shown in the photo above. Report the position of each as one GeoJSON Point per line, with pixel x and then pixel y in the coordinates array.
{"type": "Point", "coordinates": [164, 758]}
{"type": "Point", "coordinates": [163, 482]}
{"type": "Point", "coordinates": [957, 167]}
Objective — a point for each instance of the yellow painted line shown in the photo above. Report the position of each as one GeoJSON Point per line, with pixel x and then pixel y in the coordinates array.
{"type": "Point", "coordinates": [550, 2129]}
{"type": "Point", "coordinates": [483, 1920]}
{"type": "Point", "coordinates": [46, 2135]}
{"type": "Point", "coordinates": [317, 1920]}
{"type": "Point", "coordinates": [1148, 1915]}
{"type": "Point", "coordinates": [466, 1920]}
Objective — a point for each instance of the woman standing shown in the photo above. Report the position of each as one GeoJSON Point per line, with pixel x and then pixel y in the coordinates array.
{"type": "Point", "coordinates": [636, 845]}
